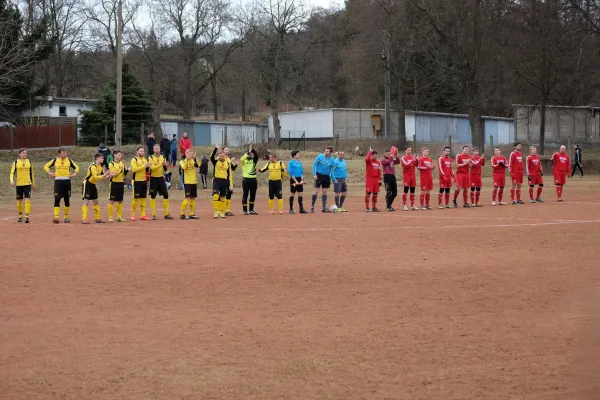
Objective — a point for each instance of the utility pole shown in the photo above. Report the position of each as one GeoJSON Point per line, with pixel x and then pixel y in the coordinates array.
{"type": "Point", "coordinates": [387, 82]}
{"type": "Point", "coordinates": [118, 130]}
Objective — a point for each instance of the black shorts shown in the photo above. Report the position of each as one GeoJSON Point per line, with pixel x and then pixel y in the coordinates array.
{"type": "Point", "coordinates": [117, 191]}
{"type": "Point", "coordinates": [158, 186]}
{"type": "Point", "coordinates": [275, 189]}
{"type": "Point", "coordinates": [62, 188]}
{"type": "Point", "coordinates": [191, 190]}
{"type": "Point", "coordinates": [23, 192]}
{"type": "Point", "coordinates": [296, 188]}
{"type": "Point", "coordinates": [89, 191]}
{"type": "Point", "coordinates": [140, 189]}
{"type": "Point", "coordinates": [340, 186]}
{"type": "Point", "coordinates": [220, 187]}
{"type": "Point", "coordinates": [323, 181]}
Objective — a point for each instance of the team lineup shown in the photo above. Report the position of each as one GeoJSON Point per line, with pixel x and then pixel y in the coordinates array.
{"type": "Point", "coordinates": [464, 172]}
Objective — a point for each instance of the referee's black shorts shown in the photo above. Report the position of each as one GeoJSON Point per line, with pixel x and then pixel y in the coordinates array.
{"type": "Point", "coordinates": [158, 187]}
{"type": "Point", "coordinates": [140, 189]}
{"type": "Point", "coordinates": [275, 189]}
{"type": "Point", "coordinates": [62, 188]}
{"type": "Point", "coordinates": [190, 190]}
{"type": "Point", "coordinates": [89, 191]}
{"type": "Point", "coordinates": [23, 192]}
{"type": "Point", "coordinates": [117, 191]}
{"type": "Point", "coordinates": [220, 187]}
{"type": "Point", "coordinates": [296, 188]}
{"type": "Point", "coordinates": [323, 181]}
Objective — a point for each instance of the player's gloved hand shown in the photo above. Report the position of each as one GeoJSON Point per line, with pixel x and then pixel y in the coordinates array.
{"type": "Point", "coordinates": [528, 177]}
{"type": "Point", "coordinates": [380, 183]}
{"type": "Point", "coordinates": [541, 173]}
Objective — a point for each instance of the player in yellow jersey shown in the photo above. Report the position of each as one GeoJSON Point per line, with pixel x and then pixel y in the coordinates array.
{"type": "Point", "coordinates": [233, 162]}
{"type": "Point", "coordinates": [276, 174]}
{"type": "Point", "coordinates": [222, 182]}
{"type": "Point", "coordinates": [190, 183]}
{"type": "Point", "coordinates": [158, 185]}
{"type": "Point", "coordinates": [62, 182]}
{"type": "Point", "coordinates": [139, 166]}
{"type": "Point", "coordinates": [95, 173]}
{"type": "Point", "coordinates": [22, 170]}
{"type": "Point", "coordinates": [117, 186]}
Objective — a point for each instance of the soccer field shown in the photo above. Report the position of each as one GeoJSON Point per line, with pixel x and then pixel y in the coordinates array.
{"type": "Point", "coordinates": [483, 303]}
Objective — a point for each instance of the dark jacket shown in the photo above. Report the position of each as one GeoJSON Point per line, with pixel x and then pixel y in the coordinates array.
{"type": "Point", "coordinates": [204, 166]}
{"type": "Point", "coordinates": [578, 155]}
{"type": "Point", "coordinates": [165, 146]}
{"type": "Point", "coordinates": [150, 142]}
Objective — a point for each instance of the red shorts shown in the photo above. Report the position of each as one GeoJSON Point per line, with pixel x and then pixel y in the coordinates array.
{"type": "Point", "coordinates": [516, 177]}
{"type": "Point", "coordinates": [426, 184]}
{"type": "Point", "coordinates": [536, 180]}
{"type": "Point", "coordinates": [499, 180]}
{"type": "Point", "coordinates": [410, 180]}
{"type": "Point", "coordinates": [372, 186]}
{"type": "Point", "coordinates": [560, 178]}
{"type": "Point", "coordinates": [445, 181]}
{"type": "Point", "coordinates": [475, 181]}
{"type": "Point", "coordinates": [462, 180]}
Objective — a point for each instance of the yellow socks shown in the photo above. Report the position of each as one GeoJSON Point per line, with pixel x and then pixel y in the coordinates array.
{"type": "Point", "coordinates": [193, 207]}
{"type": "Point", "coordinates": [228, 205]}
{"type": "Point", "coordinates": [184, 206]}
{"type": "Point", "coordinates": [222, 205]}
{"type": "Point", "coordinates": [166, 206]}
{"type": "Point", "coordinates": [56, 212]}
{"type": "Point", "coordinates": [97, 211]}
{"type": "Point", "coordinates": [19, 207]}
{"type": "Point", "coordinates": [134, 204]}
{"type": "Point", "coordinates": [271, 202]}
{"type": "Point", "coordinates": [84, 210]}
{"type": "Point", "coordinates": [153, 206]}
{"type": "Point", "coordinates": [119, 210]}
{"type": "Point", "coordinates": [67, 211]}
{"type": "Point", "coordinates": [216, 203]}
{"type": "Point", "coordinates": [280, 204]}
{"type": "Point", "coordinates": [27, 206]}
{"type": "Point", "coordinates": [110, 211]}
{"type": "Point", "coordinates": [142, 207]}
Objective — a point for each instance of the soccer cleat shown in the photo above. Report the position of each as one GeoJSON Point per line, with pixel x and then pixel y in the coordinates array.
{"type": "Point", "coordinates": [216, 215]}
{"type": "Point", "coordinates": [441, 207]}
{"type": "Point", "coordinates": [325, 210]}
{"type": "Point", "coordinates": [194, 216]}
{"type": "Point", "coordinates": [182, 216]}
{"type": "Point", "coordinates": [292, 211]}
{"type": "Point", "coordinates": [144, 218]}
{"type": "Point", "coordinates": [405, 208]}
{"type": "Point", "coordinates": [312, 210]}
{"type": "Point", "coordinates": [466, 205]}
{"type": "Point", "coordinates": [67, 221]}
{"type": "Point", "coordinates": [252, 212]}
{"type": "Point", "coordinates": [473, 205]}
{"type": "Point", "coordinates": [414, 208]}
{"type": "Point", "coordinates": [222, 215]}
{"type": "Point", "coordinates": [375, 209]}
{"type": "Point", "coordinates": [271, 212]}
{"type": "Point", "coordinates": [539, 200]}
{"type": "Point", "coordinates": [368, 209]}
{"type": "Point", "coordinates": [280, 212]}
{"type": "Point", "coordinates": [532, 201]}
{"type": "Point", "coordinates": [56, 221]}
{"type": "Point", "coordinates": [154, 218]}
{"type": "Point", "coordinates": [454, 203]}
{"type": "Point", "coordinates": [429, 208]}
{"type": "Point", "coordinates": [478, 205]}
{"type": "Point", "coordinates": [502, 203]}
{"type": "Point", "coordinates": [168, 216]}
{"type": "Point", "coordinates": [228, 214]}
{"type": "Point", "coordinates": [245, 212]}
{"type": "Point", "coordinates": [20, 219]}
{"type": "Point", "coordinates": [493, 203]}
{"type": "Point", "coordinates": [520, 202]}
{"type": "Point", "coordinates": [132, 218]}
{"type": "Point", "coordinates": [110, 220]}
{"type": "Point", "coordinates": [26, 220]}
{"type": "Point", "coordinates": [514, 202]}
{"type": "Point", "coordinates": [560, 200]}
{"type": "Point", "coordinates": [389, 209]}
{"type": "Point", "coordinates": [423, 208]}
{"type": "Point", "coordinates": [344, 210]}
{"type": "Point", "coordinates": [84, 222]}
{"type": "Point", "coordinates": [99, 221]}
{"type": "Point", "coordinates": [121, 219]}
{"type": "Point", "coordinates": [303, 211]}
{"type": "Point", "coordinates": [449, 206]}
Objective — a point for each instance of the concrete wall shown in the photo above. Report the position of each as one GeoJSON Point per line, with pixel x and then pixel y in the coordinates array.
{"type": "Point", "coordinates": [357, 124]}
{"type": "Point", "coordinates": [313, 124]}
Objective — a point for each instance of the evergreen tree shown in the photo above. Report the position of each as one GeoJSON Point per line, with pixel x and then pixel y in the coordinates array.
{"type": "Point", "coordinates": [135, 111]}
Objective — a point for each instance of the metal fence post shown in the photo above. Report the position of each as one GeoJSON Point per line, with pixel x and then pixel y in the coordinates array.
{"type": "Point", "coordinates": [414, 144]}
{"type": "Point", "coordinates": [337, 138]}
{"type": "Point", "coordinates": [491, 144]}
{"type": "Point", "coordinates": [12, 139]}
{"type": "Point", "coordinates": [142, 134]}
{"type": "Point", "coordinates": [569, 147]}
{"type": "Point", "coordinates": [60, 135]}
{"type": "Point", "coordinates": [225, 136]}
{"type": "Point", "coordinates": [450, 143]}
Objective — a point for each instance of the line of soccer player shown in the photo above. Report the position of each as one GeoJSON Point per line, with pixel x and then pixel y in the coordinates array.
{"type": "Point", "coordinates": [148, 178]}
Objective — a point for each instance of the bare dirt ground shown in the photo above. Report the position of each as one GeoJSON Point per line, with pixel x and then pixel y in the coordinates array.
{"type": "Point", "coordinates": [489, 303]}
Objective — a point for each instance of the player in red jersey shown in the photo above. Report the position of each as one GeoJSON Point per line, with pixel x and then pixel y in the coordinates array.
{"type": "Point", "coordinates": [499, 165]}
{"type": "Point", "coordinates": [562, 169]}
{"type": "Point", "coordinates": [373, 179]}
{"type": "Point", "coordinates": [515, 168]}
{"type": "Point", "coordinates": [463, 161]}
{"type": "Point", "coordinates": [409, 176]}
{"type": "Point", "coordinates": [535, 172]}
{"type": "Point", "coordinates": [445, 175]}
{"type": "Point", "coordinates": [425, 167]}
{"type": "Point", "coordinates": [477, 161]}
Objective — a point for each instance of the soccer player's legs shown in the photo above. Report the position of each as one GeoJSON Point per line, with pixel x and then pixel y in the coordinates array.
{"type": "Point", "coordinates": [193, 192]}
{"type": "Point", "coordinates": [476, 184]}
{"type": "Point", "coordinates": [245, 195]}
{"type": "Point", "coordinates": [498, 191]}
{"type": "Point", "coordinates": [462, 183]}
{"type": "Point", "coordinates": [117, 193]}
{"type": "Point", "coordinates": [90, 193]}
{"type": "Point", "coordinates": [215, 199]}
{"type": "Point", "coordinates": [228, 195]}
{"type": "Point", "coordinates": [139, 193]}
{"type": "Point", "coordinates": [560, 179]}
{"type": "Point", "coordinates": [19, 190]}
{"type": "Point", "coordinates": [252, 197]}
{"type": "Point", "coordinates": [279, 194]}
{"type": "Point", "coordinates": [337, 190]}
{"type": "Point", "coordinates": [372, 191]}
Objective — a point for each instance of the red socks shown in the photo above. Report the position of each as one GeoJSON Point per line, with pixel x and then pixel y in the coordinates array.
{"type": "Point", "coordinates": [374, 201]}
{"type": "Point", "coordinates": [440, 199]}
{"type": "Point", "coordinates": [559, 190]}
{"type": "Point", "coordinates": [477, 195]}
{"type": "Point", "coordinates": [412, 200]}
{"type": "Point", "coordinates": [421, 199]}
{"type": "Point", "coordinates": [500, 193]}
{"type": "Point", "coordinates": [494, 194]}
{"type": "Point", "coordinates": [512, 194]}
{"type": "Point", "coordinates": [367, 196]}
{"type": "Point", "coordinates": [455, 194]}
{"type": "Point", "coordinates": [472, 197]}
{"type": "Point", "coordinates": [465, 196]}
{"type": "Point", "coordinates": [447, 198]}
{"type": "Point", "coordinates": [518, 194]}
{"type": "Point", "coordinates": [404, 199]}
{"type": "Point", "coordinates": [427, 198]}
{"type": "Point", "coordinates": [539, 192]}
{"type": "Point", "coordinates": [531, 193]}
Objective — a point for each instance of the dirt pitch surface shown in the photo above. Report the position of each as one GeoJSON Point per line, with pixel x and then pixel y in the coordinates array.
{"type": "Point", "coordinates": [488, 303]}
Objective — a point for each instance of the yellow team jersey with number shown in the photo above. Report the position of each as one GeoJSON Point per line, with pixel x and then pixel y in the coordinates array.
{"type": "Point", "coordinates": [119, 168]}
{"type": "Point", "coordinates": [138, 168]}
{"type": "Point", "coordinates": [157, 168]}
{"type": "Point", "coordinates": [276, 170]}
{"type": "Point", "coordinates": [223, 171]}
{"type": "Point", "coordinates": [62, 168]}
{"type": "Point", "coordinates": [23, 169]}
{"type": "Point", "coordinates": [94, 173]}
{"type": "Point", "coordinates": [189, 171]}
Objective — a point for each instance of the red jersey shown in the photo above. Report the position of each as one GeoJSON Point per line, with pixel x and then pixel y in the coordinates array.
{"type": "Point", "coordinates": [561, 163]}
{"type": "Point", "coordinates": [373, 168]}
{"type": "Point", "coordinates": [476, 163]}
{"type": "Point", "coordinates": [424, 166]}
{"type": "Point", "coordinates": [515, 161]}
{"type": "Point", "coordinates": [445, 166]}
{"type": "Point", "coordinates": [408, 165]}
{"type": "Point", "coordinates": [533, 165]}
{"type": "Point", "coordinates": [499, 164]}
{"type": "Point", "coordinates": [460, 159]}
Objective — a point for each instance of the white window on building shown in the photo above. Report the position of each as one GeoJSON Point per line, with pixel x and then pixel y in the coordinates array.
{"type": "Point", "coordinates": [62, 111]}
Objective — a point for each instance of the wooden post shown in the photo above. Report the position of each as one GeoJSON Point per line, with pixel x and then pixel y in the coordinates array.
{"type": "Point", "coordinates": [12, 139]}
{"type": "Point", "coordinates": [491, 144]}
{"type": "Point", "coordinates": [569, 147]}
{"type": "Point", "coordinates": [337, 138]}
{"type": "Point", "coordinates": [105, 134]}
{"type": "Point", "coordinates": [225, 137]}
{"type": "Point", "coordinates": [414, 144]}
{"type": "Point", "coordinates": [142, 134]}
{"type": "Point", "coordinates": [60, 135]}
{"type": "Point", "coordinates": [450, 143]}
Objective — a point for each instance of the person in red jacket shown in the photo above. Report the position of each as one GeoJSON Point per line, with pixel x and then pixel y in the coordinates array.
{"type": "Point", "coordinates": [477, 161]}
{"type": "Point", "coordinates": [463, 161]}
{"type": "Point", "coordinates": [184, 144]}
{"type": "Point", "coordinates": [409, 176]}
{"type": "Point", "coordinates": [535, 172]}
{"type": "Point", "coordinates": [499, 165]}
{"type": "Point", "coordinates": [562, 169]}
{"type": "Point", "coordinates": [373, 179]}
{"type": "Point", "coordinates": [446, 173]}
{"type": "Point", "coordinates": [515, 167]}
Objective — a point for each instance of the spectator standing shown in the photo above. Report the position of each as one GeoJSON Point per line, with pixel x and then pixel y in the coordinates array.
{"type": "Point", "coordinates": [577, 162]}
{"type": "Point", "coordinates": [150, 142]}
{"type": "Point", "coordinates": [185, 144]}
{"type": "Point", "coordinates": [173, 149]}
{"type": "Point", "coordinates": [165, 147]}
{"type": "Point", "coordinates": [105, 151]}
{"type": "Point", "coordinates": [204, 171]}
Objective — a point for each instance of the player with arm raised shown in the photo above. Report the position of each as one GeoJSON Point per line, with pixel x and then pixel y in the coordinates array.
{"type": "Point", "coordinates": [373, 179]}
{"type": "Point", "coordinates": [62, 182]}
{"type": "Point", "coordinates": [222, 181]}
{"type": "Point", "coordinates": [477, 161]}
{"type": "Point", "coordinates": [339, 176]}
{"type": "Point", "coordinates": [515, 168]}
{"type": "Point", "coordinates": [158, 185]}
{"type": "Point", "coordinates": [21, 177]}
{"type": "Point", "coordinates": [117, 186]}
{"type": "Point", "coordinates": [296, 173]}
{"type": "Point", "coordinates": [321, 171]}
{"type": "Point", "coordinates": [463, 162]}
{"type": "Point", "coordinates": [445, 177]}
{"type": "Point", "coordinates": [389, 162]}
{"type": "Point", "coordinates": [499, 165]}
{"type": "Point", "coordinates": [249, 182]}
{"type": "Point", "coordinates": [561, 165]}
{"type": "Point", "coordinates": [95, 173]}
{"type": "Point", "coordinates": [190, 184]}
{"type": "Point", "coordinates": [425, 167]}
{"type": "Point", "coordinates": [535, 172]}
{"type": "Point", "coordinates": [409, 176]}
{"type": "Point", "coordinates": [233, 163]}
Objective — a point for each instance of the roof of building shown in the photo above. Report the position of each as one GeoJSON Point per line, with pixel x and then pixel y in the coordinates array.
{"type": "Point", "coordinates": [412, 112]}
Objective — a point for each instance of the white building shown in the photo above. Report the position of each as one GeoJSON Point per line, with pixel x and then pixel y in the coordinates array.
{"type": "Point", "coordinates": [57, 107]}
